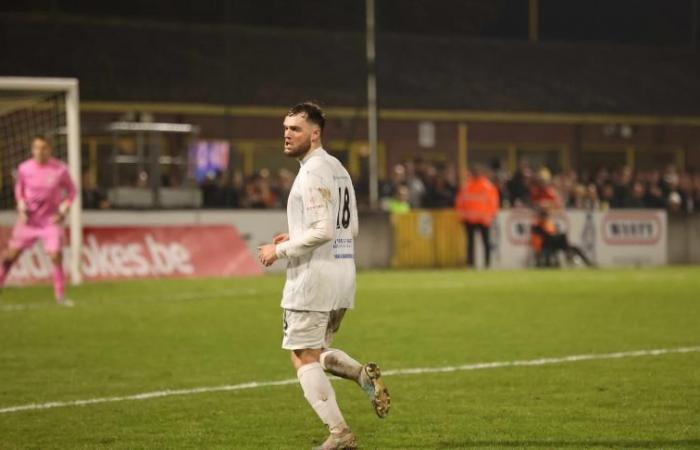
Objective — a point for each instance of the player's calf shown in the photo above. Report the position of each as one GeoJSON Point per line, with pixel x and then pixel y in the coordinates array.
{"type": "Point", "coordinates": [340, 364]}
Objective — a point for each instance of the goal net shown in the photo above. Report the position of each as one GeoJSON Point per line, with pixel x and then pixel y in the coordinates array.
{"type": "Point", "coordinates": [46, 107]}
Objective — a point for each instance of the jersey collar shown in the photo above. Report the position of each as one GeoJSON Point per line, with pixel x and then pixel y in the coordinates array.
{"type": "Point", "coordinates": [317, 152]}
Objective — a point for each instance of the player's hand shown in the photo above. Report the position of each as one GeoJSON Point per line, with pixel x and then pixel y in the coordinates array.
{"type": "Point", "coordinates": [267, 254]}
{"type": "Point", "coordinates": [280, 238]}
{"type": "Point", "coordinates": [22, 216]}
{"type": "Point", "coordinates": [58, 218]}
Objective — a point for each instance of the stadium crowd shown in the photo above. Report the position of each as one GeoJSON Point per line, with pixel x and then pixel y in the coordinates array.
{"type": "Point", "coordinates": [422, 184]}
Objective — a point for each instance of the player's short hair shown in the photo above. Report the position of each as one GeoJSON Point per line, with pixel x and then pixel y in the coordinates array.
{"type": "Point", "coordinates": [40, 137]}
{"type": "Point", "coordinates": [313, 112]}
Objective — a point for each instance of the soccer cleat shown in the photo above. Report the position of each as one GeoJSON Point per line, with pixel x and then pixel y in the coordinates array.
{"type": "Point", "coordinates": [340, 441]}
{"type": "Point", "coordinates": [372, 383]}
{"type": "Point", "coordinates": [65, 302]}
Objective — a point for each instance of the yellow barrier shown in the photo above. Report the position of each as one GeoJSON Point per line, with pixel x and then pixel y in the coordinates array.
{"type": "Point", "coordinates": [424, 238]}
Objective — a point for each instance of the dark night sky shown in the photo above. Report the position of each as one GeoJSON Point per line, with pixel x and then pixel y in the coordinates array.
{"type": "Point", "coordinates": [655, 22]}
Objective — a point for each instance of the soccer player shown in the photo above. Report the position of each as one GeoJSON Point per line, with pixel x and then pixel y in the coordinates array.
{"type": "Point", "coordinates": [320, 287]}
{"type": "Point", "coordinates": [44, 192]}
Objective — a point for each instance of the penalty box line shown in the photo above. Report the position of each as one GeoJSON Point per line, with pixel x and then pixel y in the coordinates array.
{"type": "Point", "coordinates": [396, 372]}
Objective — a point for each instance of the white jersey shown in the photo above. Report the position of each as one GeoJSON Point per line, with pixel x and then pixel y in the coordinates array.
{"type": "Point", "coordinates": [322, 219]}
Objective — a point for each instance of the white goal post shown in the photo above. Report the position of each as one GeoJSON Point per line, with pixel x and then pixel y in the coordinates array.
{"type": "Point", "coordinates": [68, 86]}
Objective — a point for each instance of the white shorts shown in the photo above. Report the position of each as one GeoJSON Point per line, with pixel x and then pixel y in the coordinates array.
{"type": "Point", "coordinates": [310, 329]}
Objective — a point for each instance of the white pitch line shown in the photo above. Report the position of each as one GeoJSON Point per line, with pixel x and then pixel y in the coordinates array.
{"type": "Point", "coordinates": [413, 371]}
{"type": "Point", "coordinates": [13, 307]}
{"type": "Point", "coordinates": [183, 296]}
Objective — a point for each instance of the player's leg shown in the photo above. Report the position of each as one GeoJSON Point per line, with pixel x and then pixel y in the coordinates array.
{"type": "Point", "coordinates": [318, 389]}
{"type": "Point", "coordinates": [340, 364]}
{"type": "Point", "coordinates": [53, 244]}
{"type": "Point", "coordinates": [23, 237]}
{"type": "Point", "coordinates": [336, 361]}
{"type": "Point", "coordinates": [11, 256]}
{"type": "Point", "coordinates": [59, 278]}
{"type": "Point", "coordinates": [304, 336]}
{"type": "Point", "coordinates": [367, 376]}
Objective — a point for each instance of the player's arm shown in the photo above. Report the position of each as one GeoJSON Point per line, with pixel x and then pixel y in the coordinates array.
{"type": "Point", "coordinates": [319, 228]}
{"type": "Point", "coordinates": [280, 238]}
{"type": "Point", "coordinates": [20, 198]}
{"type": "Point", "coordinates": [70, 193]}
{"type": "Point", "coordinates": [318, 213]}
{"type": "Point", "coordinates": [319, 232]}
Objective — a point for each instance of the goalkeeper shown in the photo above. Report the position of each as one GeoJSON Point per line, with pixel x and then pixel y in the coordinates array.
{"type": "Point", "coordinates": [44, 192]}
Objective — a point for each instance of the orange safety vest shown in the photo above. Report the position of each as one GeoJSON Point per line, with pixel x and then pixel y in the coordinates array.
{"type": "Point", "coordinates": [547, 227]}
{"type": "Point", "coordinates": [477, 201]}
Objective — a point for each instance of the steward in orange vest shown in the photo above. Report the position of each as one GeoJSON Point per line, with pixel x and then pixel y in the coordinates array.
{"type": "Point", "coordinates": [477, 205]}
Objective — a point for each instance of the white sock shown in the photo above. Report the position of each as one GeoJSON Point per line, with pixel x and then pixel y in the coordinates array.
{"type": "Point", "coordinates": [341, 364]}
{"type": "Point", "coordinates": [321, 396]}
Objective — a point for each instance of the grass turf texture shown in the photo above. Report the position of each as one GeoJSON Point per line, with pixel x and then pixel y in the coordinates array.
{"type": "Point", "coordinates": [125, 338]}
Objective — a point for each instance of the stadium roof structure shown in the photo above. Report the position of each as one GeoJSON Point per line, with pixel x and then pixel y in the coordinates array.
{"type": "Point", "coordinates": [118, 61]}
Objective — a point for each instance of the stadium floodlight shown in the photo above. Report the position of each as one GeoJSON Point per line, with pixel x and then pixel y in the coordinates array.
{"type": "Point", "coordinates": [46, 106]}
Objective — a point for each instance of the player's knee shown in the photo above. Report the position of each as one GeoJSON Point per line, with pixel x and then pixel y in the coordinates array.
{"type": "Point", "coordinates": [11, 256]}
{"type": "Point", "coordinates": [305, 356]}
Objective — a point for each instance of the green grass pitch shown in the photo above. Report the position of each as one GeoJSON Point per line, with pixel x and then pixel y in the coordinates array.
{"type": "Point", "coordinates": [126, 338]}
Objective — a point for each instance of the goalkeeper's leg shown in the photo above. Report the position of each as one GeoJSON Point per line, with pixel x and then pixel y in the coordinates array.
{"type": "Point", "coordinates": [8, 260]}
{"type": "Point", "coordinates": [22, 238]}
{"type": "Point", "coordinates": [53, 243]}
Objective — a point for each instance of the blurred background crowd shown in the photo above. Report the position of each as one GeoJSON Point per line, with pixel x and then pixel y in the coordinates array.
{"type": "Point", "coordinates": [422, 184]}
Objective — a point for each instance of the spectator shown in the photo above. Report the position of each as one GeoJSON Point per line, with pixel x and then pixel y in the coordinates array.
{"type": "Point", "coordinates": [477, 205]}
{"type": "Point", "coordinates": [565, 185]}
{"type": "Point", "coordinates": [607, 196]}
{"type": "Point", "coordinates": [399, 204]}
{"type": "Point", "coordinates": [267, 194]}
{"type": "Point", "coordinates": [284, 187]}
{"type": "Point", "coordinates": [92, 196]}
{"type": "Point", "coordinates": [519, 185]}
{"type": "Point", "coordinates": [542, 193]}
{"type": "Point", "coordinates": [637, 196]}
{"type": "Point", "coordinates": [389, 188]}
{"type": "Point", "coordinates": [654, 197]}
{"type": "Point", "coordinates": [577, 197]}
{"type": "Point", "coordinates": [591, 201]}
{"type": "Point", "coordinates": [252, 195]}
{"type": "Point", "coordinates": [440, 193]}
{"type": "Point", "coordinates": [228, 196]}
{"type": "Point", "coordinates": [622, 188]}
{"type": "Point", "coordinates": [416, 187]}
{"type": "Point", "coordinates": [210, 190]}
